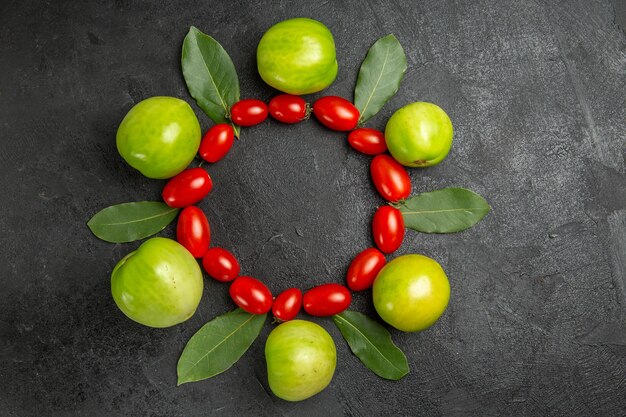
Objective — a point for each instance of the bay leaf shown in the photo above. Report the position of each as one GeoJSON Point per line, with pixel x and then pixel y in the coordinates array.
{"type": "Point", "coordinates": [447, 210]}
{"type": "Point", "coordinates": [218, 345]}
{"type": "Point", "coordinates": [210, 75]}
{"type": "Point", "coordinates": [379, 77]}
{"type": "Point", "coordinates": [372, 344]}
{"type": "Point", "coordinates": [128, 222]}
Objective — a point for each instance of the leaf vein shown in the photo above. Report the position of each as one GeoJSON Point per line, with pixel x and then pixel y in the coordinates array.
{"type": "Point", "coordinates": [136, 221]}
{"type": "Point", "coordinates": [219, 94]}
{"type": "Point", "coordinates": [370, 342]}
{"type": "Point", "coordinates": [382, 70]}
{"type": "Point", "coordinates": [217, 345]}
{"type": "Point", "coordinates": [444, 210]}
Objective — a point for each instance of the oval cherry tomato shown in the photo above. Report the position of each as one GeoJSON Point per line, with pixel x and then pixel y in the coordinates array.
{"type": "Point", "coordinates": [287, 305]}
{"type": "Point", "coordinates": [327, 300]}
{"type": "Point", "coordinates": [187, 188]}
{"type": "Point", "coordinates": [388, 228]}
{"type": "Point", "coordinates": [220, 264]}
{"type": "Point", "coordinates": [390, 178]}
{"type": "Point", "coordinates": [216, 142]}
{"type": "Point", "coordinates": [248, 112]}
{"type": "Point", "coordinates": [364, 268]}
{"type": "Point", "coordinates": [367, 141]}
{"type": "Point", "coordinates": [251, 295]}
{"type": "Point", "coordinates": [193, 231]}
{"type": "Point", "coordinates": [287, 108]}
{"type": "Point", "coordinates": [336, 113]}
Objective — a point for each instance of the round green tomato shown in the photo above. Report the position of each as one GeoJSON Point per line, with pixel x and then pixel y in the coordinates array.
{"type": "Point", "coordinates": [159, 136]}
{"type": "Point", "coordinates": [411, 292]}
{"type": "Point", "coordinates": [297, 56]}
{"type": "Point", "coordinates": [159, 285]}
{"type": "Point", "coordinates": [301, 359]}
{"type": "Point", "coordinates": [419, 135]}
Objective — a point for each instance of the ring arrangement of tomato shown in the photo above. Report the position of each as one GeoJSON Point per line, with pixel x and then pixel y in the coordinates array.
{"type": "Point", "coordinates": [160, 284]}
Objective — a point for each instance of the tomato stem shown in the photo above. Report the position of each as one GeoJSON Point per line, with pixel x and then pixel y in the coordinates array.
{"type": "Point", "coordinates": [307, 111]}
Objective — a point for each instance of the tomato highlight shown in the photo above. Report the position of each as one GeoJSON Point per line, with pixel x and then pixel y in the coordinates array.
{"type": "Point", "coordinates": [367, 141]}
{"type": "Point", "coordinates": [287, 305]}
{"type": "Point", "coordinates": [336, 113]}
{"type": "Point", "coordinates": [388, 229]}
{"type": "Point", "coordinates": [248, 112]}
{"type": "Point", "coordinates": [187, 188]}
{"type": "Point", "coordinates": [221, 264]}
{"type": "Point", "coordinates": [216, 142]}
{"type": "Point", "coordinates": [390, 178]}
{"type": "Point", "coordinates": [251, 295]}
{"type": "Point", "coordinates": [364, 268]}
{"type": "Point", "coordinates": [193, 231]}
{"type": "Point", "coordinates": [288, 108]}
{"type": "Point", "coordinates": [326, 300]}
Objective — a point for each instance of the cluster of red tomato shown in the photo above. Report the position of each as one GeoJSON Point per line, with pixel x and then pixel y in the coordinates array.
{"type": "Point", "coordinates": [193, 231]}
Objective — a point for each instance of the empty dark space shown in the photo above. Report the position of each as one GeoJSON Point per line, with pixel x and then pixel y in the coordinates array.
{"type": "Point", "coordinates": [536, 324]}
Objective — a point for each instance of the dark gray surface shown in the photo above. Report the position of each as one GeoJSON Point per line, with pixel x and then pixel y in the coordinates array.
{"type": "Point", "coordinates": [536, 325]}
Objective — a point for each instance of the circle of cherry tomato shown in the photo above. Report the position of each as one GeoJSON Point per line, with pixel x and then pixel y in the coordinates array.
{"type": "Point", "coordinates": [326, 300]}
{"type": "Point", "coordinates": [220, 264]}
{"type": "Point", "coordinates": [390, 178]}
{"type": "Point", "coordinates": [287, 305]}
{"type": "Point", "coordinates": [251, 295]}
{"type": "Point", "coordinates": [288, 108]}
{"type": "Point", "coordinates": [367, 141]}
{"type": "Point", "coordinates": [187, 188]}
{"type": "Point", "coordinates": [336, 113]}
{"type": "Point", "coordinates": [364, 268]}
{"type": "Point", "coordinates": [388, 229]}
{"type": "Point", "coordinates": [216, 142]}
{"type": "Point", "coordinates": [248, 112]}
{"type": "Point", "coordinates": [193, 231]}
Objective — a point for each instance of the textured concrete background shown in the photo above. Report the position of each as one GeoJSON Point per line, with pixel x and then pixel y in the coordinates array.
{"type": "Point", "coordinates": [537, 320]}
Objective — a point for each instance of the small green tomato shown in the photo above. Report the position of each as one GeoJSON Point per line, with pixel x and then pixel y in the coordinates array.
{"type": "Point", "coordinates": [158, 285]}
{"type": "Point", "coordinates": [419, 135]}
{"type": "Point", "coordinates": [159, 136]}
{"type": "Point", "coordinates": [411, 292]}
{"type": "Point", "coordinates": [301, 359]}
{"type": "Point", "coordinates": [297, 56]}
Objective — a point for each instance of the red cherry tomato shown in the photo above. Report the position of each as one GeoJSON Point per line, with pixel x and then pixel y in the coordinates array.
{"type": "Point", "coordinates": [288, 108]}
{"type": "Point", "coordinates": [367, 141]}
{"type": "Point", "coordinates": [336, 113]}
{"type": "Point", "coordinates": [388, 229]}
{"type": "Point", "coordinates": [248, 112]}
{"type": "Point", "coordinates": [326, 300]}
{"type": "Point", "coordinates": [216, 142]}
{"type": "Point", "coordinates": [390, 178]}
{"type": "Point", "coordinates": [287, 305]}
{"type": "Point", "coordinates": [364, 268]}
{"type": "Point", "coordinates": [193, 231]}
{"type": "Point", "coordinates": [251, 295]}
{"type": "Point", "coordinates": [187, 188]}
{"type": "Point", "coordinates": [220, 264]}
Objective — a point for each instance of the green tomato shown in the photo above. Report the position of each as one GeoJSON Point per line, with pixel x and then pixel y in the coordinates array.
{"type": "Point", "coordinates": [158, 285]}
{"type": "Point", "coordinates": [301, 359]}
{"type": "Point", "coordinates": [159, 136]}
{"type": "Point", "coordinates": [411, 292]}
{"type": "Point", "coordinates": [297, 56]}
{"type": "Point", "coordinates": [419, 135]}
